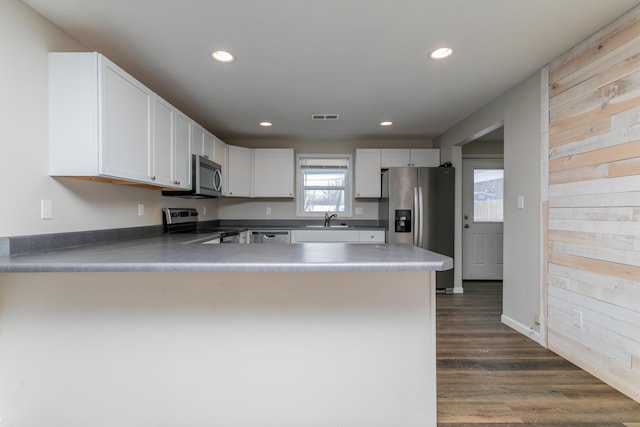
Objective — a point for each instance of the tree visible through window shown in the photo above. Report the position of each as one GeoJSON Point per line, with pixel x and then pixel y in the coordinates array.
{"type": "Point", "coordinates": [324, 184]}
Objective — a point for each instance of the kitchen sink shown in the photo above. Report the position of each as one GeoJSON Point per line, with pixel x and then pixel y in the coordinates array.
{"type": "Point", "coordinates": [330, 226]}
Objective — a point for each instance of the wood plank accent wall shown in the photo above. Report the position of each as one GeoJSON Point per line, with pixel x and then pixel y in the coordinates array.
{"type": "Point", "coordinates": [593, 235]}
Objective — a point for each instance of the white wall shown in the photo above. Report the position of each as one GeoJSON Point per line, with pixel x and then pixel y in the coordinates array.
{"type": "Point", "coordinates": [519, 110]}
{"type": "Point", "coordinates": [25, 39]}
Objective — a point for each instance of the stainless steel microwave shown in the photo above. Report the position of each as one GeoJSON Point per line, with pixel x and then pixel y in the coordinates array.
{"type": "Point", "coordinates": [206, 180]}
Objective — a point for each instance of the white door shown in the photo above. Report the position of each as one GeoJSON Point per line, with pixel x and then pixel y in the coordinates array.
{"type": "Point", "coordinates": [482, 210]}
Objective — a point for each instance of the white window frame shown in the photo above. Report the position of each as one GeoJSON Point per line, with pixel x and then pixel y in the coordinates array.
{"type": "Point", "coordinates": [348, 202]}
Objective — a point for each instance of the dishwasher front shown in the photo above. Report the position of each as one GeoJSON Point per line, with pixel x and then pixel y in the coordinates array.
{"type": "Point", "coordinates": [270, 236]}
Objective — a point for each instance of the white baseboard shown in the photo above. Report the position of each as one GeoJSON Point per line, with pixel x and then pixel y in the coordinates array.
{"type": "Point", "coordinates": [524, 330]}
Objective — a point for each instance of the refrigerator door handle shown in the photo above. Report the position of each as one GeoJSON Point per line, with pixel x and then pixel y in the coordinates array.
{"type": "Point", "coordinates": [421, 217]}
{"type": "Point", "coordinates": [416, 213]}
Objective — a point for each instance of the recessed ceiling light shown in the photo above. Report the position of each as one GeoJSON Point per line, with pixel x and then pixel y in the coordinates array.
{"type": "Point", "coordinates": [386, 123]}
{"type": "Point", "coordinates": [223, 56]}
{"type": "Point", "coordinates": [266, 124]}
{"type": "Point", "coordinates": [442, 53]}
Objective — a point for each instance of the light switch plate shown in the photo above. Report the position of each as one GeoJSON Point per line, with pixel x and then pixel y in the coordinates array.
{"type": "Point", "coordinates": [46, 209]}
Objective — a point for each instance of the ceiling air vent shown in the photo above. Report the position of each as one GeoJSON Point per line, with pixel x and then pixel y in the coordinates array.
{"type": "Point", "coordinates": [325, 116]}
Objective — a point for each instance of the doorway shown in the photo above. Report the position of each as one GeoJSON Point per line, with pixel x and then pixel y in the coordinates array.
{"type": "Point", "coordinates": [483, 207]}
{"type": "Point", "coordinates": [483, 218]}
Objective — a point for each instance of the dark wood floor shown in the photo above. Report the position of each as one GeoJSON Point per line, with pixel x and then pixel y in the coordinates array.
{"type": "Point", "coordinates": [490, 375]}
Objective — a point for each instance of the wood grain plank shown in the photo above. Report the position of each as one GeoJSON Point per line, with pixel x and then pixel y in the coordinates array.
{"type": "Point", "coordinates": [586, 173]}
{"type": "Point", "coordinates": [618, 136]}
{"type": "Point", "coordinates": [624, 186]}
{"type": "Point", "coordinates": [604, 70]}
{"type": "Point", "coordinates": [606, 288]}
{"type": "Point", "coordinates": [624, 168]}
{"type": "Point", "coordinates": [593, 238]}
{"type": "Point", "coordinates": [605, 155]}
{"type": "Point", "coordinates": [623, 271]}
{"type": "Point", "coordinates": [609, 100]}
{"type": "Point", "coordinates": [595, 46]}
{"type": "Point", "coordinates": [598, 127]}
{"type": "Point", "coordinates": [595, 213]}
{"type": "Point", "coordinates": [628, 198]}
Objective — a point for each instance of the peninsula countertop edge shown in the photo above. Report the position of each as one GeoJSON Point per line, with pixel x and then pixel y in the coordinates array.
{"type": "Point", "coordinates": [176, 254]}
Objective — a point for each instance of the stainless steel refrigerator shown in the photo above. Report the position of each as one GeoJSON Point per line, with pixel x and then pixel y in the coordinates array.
{"type": "Point", "coordinates": [417, 207]}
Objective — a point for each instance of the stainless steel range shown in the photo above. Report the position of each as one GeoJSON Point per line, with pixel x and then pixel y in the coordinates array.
{"type": "Point", "coordinates": [185, 221]}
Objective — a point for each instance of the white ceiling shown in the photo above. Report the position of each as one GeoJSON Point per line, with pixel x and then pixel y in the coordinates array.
{"type": "Point", "coordinates": [363, 59]}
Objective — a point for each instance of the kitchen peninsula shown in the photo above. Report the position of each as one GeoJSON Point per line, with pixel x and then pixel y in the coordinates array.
{"type": "Point", "coordinates": [156, 332]}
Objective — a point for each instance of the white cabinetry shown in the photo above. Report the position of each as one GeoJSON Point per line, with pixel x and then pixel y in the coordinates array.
{"type": "Point", "coordinates": [197, 139]}
{"type": "Point", "coordinates": [104, 123]}
{"type": "Point", "coordinates": [367, 173]}
{"type": "Point", "coordinates": [162, 146]}
{"type": "Point", "coordinates": [337, 236]}
{"type": "Point", "coordinates": [170, 148]}
{"type": "Point", "coordinates": [273, 172]}
{"type": "Point", "coordinates": [208, 145]}
{"type": "Point", "coordinates": [182, 151]}
{"type": "Point", "coordinates": [99, 119]}
{"type": "Point", "coordinates": [238, 171]}
{"type": "Point", "coordinates": [417, 157]}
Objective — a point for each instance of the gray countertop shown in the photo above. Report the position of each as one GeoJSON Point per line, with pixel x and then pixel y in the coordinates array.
{"type": "Point", "coordinates": [171, 253]}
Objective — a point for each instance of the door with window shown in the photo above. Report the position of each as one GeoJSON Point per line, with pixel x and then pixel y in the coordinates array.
{"type": "Point", "coordinates": [482, 207]}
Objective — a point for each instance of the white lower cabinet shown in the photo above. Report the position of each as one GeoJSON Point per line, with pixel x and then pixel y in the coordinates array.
{"type": "Point", "coordinates": [337, 236]}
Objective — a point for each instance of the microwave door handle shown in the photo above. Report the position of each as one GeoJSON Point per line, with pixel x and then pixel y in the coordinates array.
{"type": "Point", "coordinates": [421, 217]}
{"type": "Point", "coordinates": [416, 223]}
{"type": "Point", "coordinates": [217, 180]}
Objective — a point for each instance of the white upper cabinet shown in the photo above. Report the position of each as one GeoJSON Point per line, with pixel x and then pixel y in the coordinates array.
{"type": "Point", "coordinates": [208, 145]}
{"type": "Point", "coordinates": [220, 152]}
{"type": "Point", "coordinates": [163, 139]}
{"type": "Point", "coordinates": [273, 172]}
{"type": "Point", "coordinates": [238, 171]}
{"type": "Point", "coordinates": [425, 157]}
{"type": "Point", "coordinates": [367, 173]}
{"type": "Point", "coordinates": [197, 139]}
{"type": "Point", "coordinates": [416, 157]}
{"type": "Point", "coordinates": [171, 136]}
{"type": "Point", "coordinates": [182, 151]}
{"type": "Point", "coordinates": [104, 123]}
{"type": "Point", "coordinates": [99, 119]}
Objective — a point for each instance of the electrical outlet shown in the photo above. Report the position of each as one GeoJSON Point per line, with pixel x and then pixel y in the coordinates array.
{"type": "Point", "coordinates": [577, 318]}
{"type": "Point", "coordinates": [359, 211]}
{"type": "Point", "coordinates": [46, 209]}
{"type": "Point", "coordinates": [140, 209]}
{"type": "Point", "coordinates": [269, 211]}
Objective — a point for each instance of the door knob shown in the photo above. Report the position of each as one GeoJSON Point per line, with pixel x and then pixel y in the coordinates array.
{"type": "Point", "coordinates": [466, 226]}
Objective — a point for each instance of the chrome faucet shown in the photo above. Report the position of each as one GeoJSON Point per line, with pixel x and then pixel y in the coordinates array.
{"type": "Point", "coordinates": [328, 218]}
